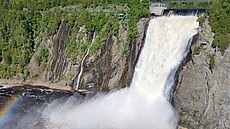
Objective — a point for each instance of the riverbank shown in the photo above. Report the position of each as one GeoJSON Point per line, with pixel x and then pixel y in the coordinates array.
{"type": "Point", "coordinates": [13, 82]}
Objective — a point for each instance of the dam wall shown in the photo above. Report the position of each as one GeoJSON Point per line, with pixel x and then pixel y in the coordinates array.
{"type": "Point", "coordinates": [159, 9]}
{"type": "Point", "coordinates": [184, 12]}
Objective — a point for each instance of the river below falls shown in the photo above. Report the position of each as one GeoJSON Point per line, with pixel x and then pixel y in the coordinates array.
{"type": "Point", "coordinates": [24, 104]}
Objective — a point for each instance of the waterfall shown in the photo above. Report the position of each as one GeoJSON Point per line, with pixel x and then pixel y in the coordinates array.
{"type": "Point", "coordinates": [76, 86]}
{"type": "Point", "coordinates": [145, 104]}
{"type": "Point", "coordinates": [167, 43]}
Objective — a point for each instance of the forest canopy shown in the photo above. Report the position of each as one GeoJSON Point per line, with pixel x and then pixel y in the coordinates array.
{"type": "Point", "coordinates": [26, 23]}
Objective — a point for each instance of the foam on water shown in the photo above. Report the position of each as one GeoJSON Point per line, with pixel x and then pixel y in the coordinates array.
{"type": "Point", "coordinates": [145, 104]}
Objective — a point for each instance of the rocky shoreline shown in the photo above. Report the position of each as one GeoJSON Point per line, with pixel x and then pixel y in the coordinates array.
{"type": "Point", "coordinates": [15, 83]}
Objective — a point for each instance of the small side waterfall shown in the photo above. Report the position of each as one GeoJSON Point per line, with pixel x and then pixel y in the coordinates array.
{"type": "Point", "coordinates": [145, 104]}
{"type": "Point", "coordinates": [76, 86]}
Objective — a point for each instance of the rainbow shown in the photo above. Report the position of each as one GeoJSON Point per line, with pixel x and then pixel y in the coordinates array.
{"type": "Point", "coordinates": [6, 110]}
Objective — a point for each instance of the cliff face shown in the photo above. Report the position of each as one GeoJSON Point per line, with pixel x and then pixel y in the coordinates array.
{"type": "Point", "coordinates": [53, 70]}
{"type": "Point", "coordinates": [103, 70]}
{"type": "Point", "coordinates": [202, 95]}
{"type": "Point", "coordinates": [57, 59]}
{"type": "Point", "coordinates": [109, 68]}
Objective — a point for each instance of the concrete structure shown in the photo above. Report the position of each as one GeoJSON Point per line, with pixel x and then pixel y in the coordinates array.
{"type": "Point", "coordinates": [185, 12]}
{"type": "Point", "coordinates": [157, 8]}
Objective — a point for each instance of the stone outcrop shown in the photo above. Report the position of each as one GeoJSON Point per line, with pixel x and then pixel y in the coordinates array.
{"type": "Point", "coordinates": [202, 96]}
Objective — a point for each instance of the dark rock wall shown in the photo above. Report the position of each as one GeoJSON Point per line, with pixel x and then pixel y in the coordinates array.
{"type": "Point", "coordinates": [57, 59]}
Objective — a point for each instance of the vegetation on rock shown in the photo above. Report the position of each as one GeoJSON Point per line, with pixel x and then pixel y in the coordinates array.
{"type": "Point", "coordinates": [197, 50]}
{"type": "Point", "coordinates": [25, 24]}
{"type": "Point", "coordinates": [212, 61]}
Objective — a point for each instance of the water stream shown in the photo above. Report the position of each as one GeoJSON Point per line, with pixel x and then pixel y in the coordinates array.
{"type": "Point", "coordinates": [76, 86]}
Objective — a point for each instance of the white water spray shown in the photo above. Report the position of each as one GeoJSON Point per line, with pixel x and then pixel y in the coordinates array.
{"type": "Point", "coordinates": [145, 104]}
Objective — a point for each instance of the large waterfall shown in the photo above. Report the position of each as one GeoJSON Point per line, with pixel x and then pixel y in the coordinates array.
{"type": "Point", "coordinates": [167, 43]}
{"type": "Point", "coordinates": [145, 104]}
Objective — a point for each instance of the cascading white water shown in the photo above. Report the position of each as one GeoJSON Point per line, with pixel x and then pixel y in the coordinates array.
{"type": "Point", "coordinates": [167, 43]}
{"type": "Point", "coordinates": [144, 105]}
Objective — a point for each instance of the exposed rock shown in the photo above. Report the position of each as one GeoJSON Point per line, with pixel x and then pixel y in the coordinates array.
{"type": "Point", "coordinates": [135, 50]}
{"type": "Point", "coordinates": [57, 64]}
{"type": "Point", "coordinates": [202, 96]}
{"type": "Point", "coordinates": [57, 60]}
{"type": "Point", "coordinates": [109, 68]}
{"type": "Point", "coordinates": [34, 67]}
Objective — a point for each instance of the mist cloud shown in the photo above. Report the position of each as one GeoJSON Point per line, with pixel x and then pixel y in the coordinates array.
{"type": "Point", "coordinates": [123, 109]}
